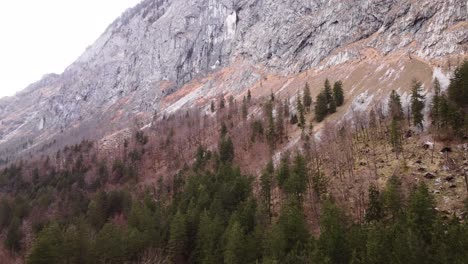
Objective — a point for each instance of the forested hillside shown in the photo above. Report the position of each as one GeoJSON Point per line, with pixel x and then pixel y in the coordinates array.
{"type": "Point", "coordinates": [226, 185]}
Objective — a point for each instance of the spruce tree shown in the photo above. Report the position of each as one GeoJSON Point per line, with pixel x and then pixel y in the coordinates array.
{"type": "Point", "coordinates": [436, 105]}
{"type": "Point", "coordinates": [374, 210]}
{"type": "Point", "coordinates": [266, 182]}
{"type": "Point", "coordinates": [14, 235]}
{"type": "Point", "coordinates": [394, 106]}
{"type": "Point", "coordinates": [338, 93]}
{"type": "Point", "coordinates": [307, 97]}
{"type": "Point", "coordinates": [235, 244]}
{"type": "Point", "coordinates": [280, 122]}
{"type": "Point", "coordinates": [417, 104]}
{"type": "Point", "coordinates": [300, 111]}
{"type": "Point", "coordinates": [458, 88]}
{"type": "Point", "coordinates": [178, 237]}
{"type": "Point", "coordinates": [244, 108]}
{"type": "Point", "coordinates": [48, 246]}
{"type": "Point", "coordinates": [321, 109]}
{"type": "Point", "coordinates": [395, 137]}
{"type": "Point", "coordinates": [331, 104]}
{"type": "Point", "coordinates": [271, 130]}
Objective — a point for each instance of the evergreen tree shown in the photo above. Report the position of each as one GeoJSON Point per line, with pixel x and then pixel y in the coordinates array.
{"type": "Point", "coordinates": [417, 104]}
{"type": "Point", "coordinates": [458, 88]}
{"type": "Point", "coordinates": [5, 213]}
{"type": "Point", "coordinates": [338, 93]}
{"type": "Point", "coordinates": [109, 245]}
{"type": "Point", "coordinates": [283, 170]}
{"type": "Point", "coordinates": [208, 239]}
{"type": "Point", "coordinates": [327, 90]}
{"type": "Point", "coordinates": [395, 137]}
{"type": "Point", "coordinates": [266, 182]}
{"type": "Point", "coordinates": [249, 96]}
{"type": "Point", "coordinates": [212, 106]}
{"type": "Point", "coordinates": [421, 212]}
{"type": "Point", "coordinates": [436, 105]}
{"type": "Point", "coordinates": [280, 122]}
{"type": "Point", "coordinates": [331, 104]}
{"type": "Point", "coordinates": [332, 107]}
{"type": "Point", "coordinates": [300, 111]}
{"type": "Point", "coordinates": [321, 109]}
{"type": "Point", "coordinates": [226, 150]}
{"type": "Point", "coordinates": [392, 197]}
{"type": "Point", "coordinates": [272, 96]}
{"type": "Point", "coordinates": [333, 241]}
{"type": "Point", "coordinates": [296, 183]}
{"type": "Point", "coordinates": [222, 102]}
{"type": "Point", "coordinates": [271, 130]}
{"type": "Point", "coordinates": [48, 246]}
{"type": "Point", "coordinates": [14, 235]}
{"type": "Point", "coordinates": [374, 210]}
{"type": "Point", "coordinates": [178, 237]}
{"type": "Point", "coordinates": [234, 252]}
{"type": "Point", "coordinates": [288, 239]}
{"type": "Point", "coordinates": [394, 106]}
{"type": "Point", "coordinates": [307, 98]}
{"type": "Point", "coordinates": [244, 108]}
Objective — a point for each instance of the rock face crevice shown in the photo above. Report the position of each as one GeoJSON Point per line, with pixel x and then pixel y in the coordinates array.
{"type": "Point", "coordinates": [158, 46]}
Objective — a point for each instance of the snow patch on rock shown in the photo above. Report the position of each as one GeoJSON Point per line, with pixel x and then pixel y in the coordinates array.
{"type": "Point", "coordinates": [444, 79]}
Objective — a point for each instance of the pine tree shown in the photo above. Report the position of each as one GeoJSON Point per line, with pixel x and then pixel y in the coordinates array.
{"type": "Point", "coordinates": [244, 108]}
{"type": "Point", "coordinates": [266, 182]}
{"type": "Point", "coordinates": [280, 122]}
{"type": "Point", "coordinates": [436, 105]}
{"type": "Point", "coordinates": [458, 88]}
{"type": "Point", "coordinates": [271, 130]}
{"type": "Point", "coordinates": [327, 90]}
{"type": "Point", "coordinates": [222, 102]}
{"type": "Point", "coordinates": [374, 210]}
{"type": "Point", "coordinates": [296, 183]}
{"type": "Point", "coordinates": [226, 150]}
{"type": "Point", "coordinates": [338, 93]}
{"type": "Point", "coordinates": [208, 239]}
{"type": "Point", "coordinates": [307, 97]}
{"type": "Point", "coordinates": [417, 104]}
{"type": "Point", "coordinates": [395, 137]}
{"type": "Point", "coordinates": [421, 212]}
{"type": "Point", "coordinates": [331, 104]}
{"type": "Point", "coordinates": [249, 96]}
{"type": "Point", "coordinates": [332, 107]}
{"type": "Point", "coordinates": [14, 235]}
{"type": "Point", "coordinates": [48, 246]}
{"type": "Point", "coordinates": [392, 197]}
{"type": "Point", "coordinates": [333, 241]}
{"type": "Point", "coordinates": [321, 109]}
{"type": "Point", "coordinates": [272, 96]}
{"type": "Point", "coordinates": [110, 246]}
{"type": "Point", "coordinates": [178, 237]}
{"type": "Point", "coordinates": [235, 244]}
{"type": "Point", "coordinates": [300, 111]}
{"type": "Point", "coordinates": [394, 106]}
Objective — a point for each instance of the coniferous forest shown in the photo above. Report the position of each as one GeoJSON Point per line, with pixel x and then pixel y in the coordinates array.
{"type": "Point", "coordinates": [74, 207]}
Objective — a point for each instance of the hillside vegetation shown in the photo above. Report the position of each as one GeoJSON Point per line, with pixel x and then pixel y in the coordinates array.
{"type": "Point", "coordinates": [228, 185]}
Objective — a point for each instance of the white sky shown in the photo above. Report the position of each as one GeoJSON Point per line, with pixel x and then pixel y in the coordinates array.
{"type": "Point", "coordinates": [45, 36]}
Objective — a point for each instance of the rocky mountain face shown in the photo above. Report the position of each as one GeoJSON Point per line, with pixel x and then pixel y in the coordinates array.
{"type": "Point", "coordinates": [165, 54]}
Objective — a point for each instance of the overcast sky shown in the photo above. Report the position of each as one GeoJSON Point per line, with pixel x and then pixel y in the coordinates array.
{"type": "Point", "coordinates": [45, 36]}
